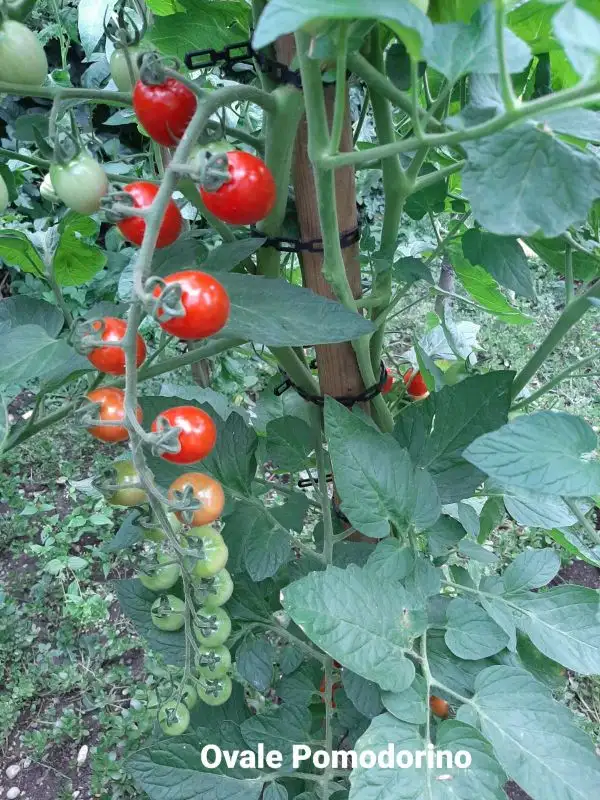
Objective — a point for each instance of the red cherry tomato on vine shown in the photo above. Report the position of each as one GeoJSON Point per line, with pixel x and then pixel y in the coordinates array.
{"type": "Point", "coordinates": [111, 402]}
{"type": "Point", "coordinates": [249, 194]}
{"type": "Point", "coordinates": [164, 110]}
{"type": "Point", "coordinates": [134, 228]}
{"type": "Point", "coordinates": [197, 437]}
{"type": "Point", "coordinates": [389, 382]}
{"type": "Point", "coordinates": [416, 386]}
{"type": "Point", "coordinates": [439, 707]}
{"type": "Point", "coordinates": [112, 359]}
{"type": "Point", "coordinates": [205, 302]}
{"type": "Point", "coordinates": [334, 689]}
{"type": "Point", "coordinates": [205, 489]}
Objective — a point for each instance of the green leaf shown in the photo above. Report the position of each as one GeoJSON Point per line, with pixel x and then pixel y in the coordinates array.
{"type": "Point", "coordinates": [437, 430]}
{"type": "Point", "coordinates": [266, 548]}
{"type": "Point", "coordinates": [502, 257]}
{"type": "Point", "coordinates": [430, 199]}
{"type": "Point", "coordinates": [289, 443]}
{"type": "Point", "coordinates": [411, 705]}
{"type": "Point", "coordinates": [455, 673]}
{"type": "Point", "coordinates": [582, 123]}
{"type": "Point", "coordinates": [23, 310]}
{"type": "Point", "coordinates": [409, 270]}
{"type": "Point", "coordinates": [573, 544]}
{"type": "Point", "coordinates": [564, 623]}
{"type": "Point", "coordinates": [136, 602]}
{"type": "Point", "coordinates": [471, 633]}
{"type": "Point", "coordinates": [507, 174]}
{"type": "Point", "coordinates": [537, 510]}
{"type": "Point", "coordinates": [4, 423]}
{"type": "Point", "coordinates": [129, 534]}
{"type": "Point", "coordinates": [342, 612]}
{"type": "Point", "coordinates": [228, 255]}
{"type": "Point", "coordinates": [286, 16]}
{"type": "Point", "coordinates": [91, 15]}
{"type": "Point", "coordinates": [363, 694]}
{"type": "Point", "coordinates": [531, 569]}
{"type": "Point", "coordinates": [278, 729]}
{"type": "Point", "coordinates": [254, 661]}
{"type": "Point", "coordinates": [375, 477]}
{"type": "Point", "coordinates": [175, 766]}
{"type": "Point", "coordinates": [391, 560]}
{"type": "Point", "coordinates": [483, 779]}
{"type": "Point", "coordinates": [17, 251]}
{"type": "Point", "coordinates": [532, 22]}
{"type": "Point", "coordinates": [292, 513]}
{"type": "Point", "coordinates": [205, 24]}
{"type": "Point", "coordinates": [552, 252]}
{"type": "Point", "coordinates": [483, 288]}
{"type": "Point", "coordinates": [535, 739]}
{"type": "Point", "coordinates": [278, 314]}
{"type": "Point", "coordinates": [458, 49]}
{"type": "Point", "coordinates": [579, 35]}
{"type": "Point", "coordinates": [444, 536]}
{"type": "Point", "coordinates": [275, 791]}
{"type": "Point", "coordinates": [29, 353]}
{"type": "Point", "coordinates": [163, 8]}
{"type": "Point", "coordinates": [77, 258]}
{"type": "Point", "coordinates": [541, 452]}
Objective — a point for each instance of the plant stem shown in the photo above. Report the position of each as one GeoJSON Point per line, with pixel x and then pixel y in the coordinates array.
{"type": "Point", "coordinates": [554, 382]}
{"type": "Point", "coordinates": [570, 316]}
{"type": "Point", "coordinates": [569, 281]}
{"type": "Point", "coordinates": [583, 520]}
{"type": "Point", "coordinates": [50, 92]}
{"type": "Point", "coordinates": [190, 191]}
{"type": "Point", "coordinates": [362, 117]}
{"type": "Point", "coordinates": [60, 300]}
{"type": "Point", "coordinates": [559, 100]}
{"type": "Point", "coordinates": [425, 181]}
{"type": "Point", "coordinates": [339, 108]}
{"type": "Point", "coordinates": [506, 87]}
{"type": "Point", "coordinates": [293, 366]}
{"type": "Point", "coordinates": [34, 161]}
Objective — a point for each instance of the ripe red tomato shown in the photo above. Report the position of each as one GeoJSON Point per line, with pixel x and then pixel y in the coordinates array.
{"type": "Point", "coordinates": [249, 194]}
{"type": "Point", "coordinates": [134, 228]}
{"type": "Point", "coordinates": [111, 409]}
{"type": "Point", "coordinates": [197, 437]}
{"type": "Point", "coordinates": [164, 110]}
{"type": "Point", "coordinates": [112, 359]}
{"type": "Point", "coordinates": [205, 489]}
{"type": "Point", "coordinates": [206, 305]}
{"type": "Point", "coordinates": [439, 707]}
{"type": "Point", "coordinates": [389, 382]}
{"type": "Point", "coordinates": [416, 387]}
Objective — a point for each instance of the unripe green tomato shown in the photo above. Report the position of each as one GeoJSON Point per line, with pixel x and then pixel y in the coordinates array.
{"type": "Point", "coordinates": [162, 578]}
{"type": "Point", "coordinates": [127, 494]}
{"type": "Point", "coordinates": [119, 69]}
{"type": "Point", "coordinates": [213, 626]}
{"type": "Point", "coordinates": [81, 184]}
{"type": "Point", "coordinates": [189, 696]}
{"type": "Point", "coordinates": [22, 57]}
{"type": "Point", "coordinates": [4, 198]}
{"type": "Point", "coordinates": [213, 662]}
{"type": "Point", "coordinates": [47, 190]}
{"type": "Point", "coordinates": [213, 548]}
{"type": "Point", "coordinates": [214, 591]}
{"type": "Point", "coordinates": [168, 613]}
{"type": "Point", "coordinates": [173, 718]}
{"type": "Point", "coordinates": [214, 692]}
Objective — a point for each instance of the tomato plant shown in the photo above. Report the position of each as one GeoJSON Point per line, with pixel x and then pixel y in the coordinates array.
{"type": "Point", "coordinates": [205, 305]}
{"type": "Point", "coordinates": [197, 433]}
{"type": "Point", "coordinates": [247, 195]}
{"type": "Point", "coordinates": [142, 194]}
{"type": "Point", "coordinates": [81, 183]}
{"type": "Point", "coordinates": [111, 359]}
{"type": "Point", "coordinates": [206, 490]}
{"type": "Point", "coordinates": [422, 182]}
{"type": "Point", "coordinates": [164, 109]}
{"type": "Point", "coordinates": [111, 408]}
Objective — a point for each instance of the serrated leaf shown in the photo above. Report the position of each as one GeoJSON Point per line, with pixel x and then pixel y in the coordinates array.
{"type": "Point", "coordinates": [266, 548]}
{"type": "Point", "coordinates": [375, 477]}
{"type": "Point", "coordinates": [289, 443]}
{"type": "Point", "coordinates": [254, 661]}
{"type": "Point", "coordinates": [409, 270]}
{"type": "Point", "coordinates": [541, 452]}
{"type": "Point", "coordinates": [363, 622]}
{"type": "Point", "coordinates": [471, 633]}
{"type": "Point", "coordinates": [28, 353]}
{"type": "Point", "coordinates": [363, 694]}
{"type": "Point", "coordinates": [531, 569]}
{"type": "Point", "coordinates": [391, 560]}
{"type": "Point", "coordinates": [129, 533]}
{"type": "Point", "coordinates": [411, 705]}
{"type": "Point", "coordinates": [278, 729]}
{"type": "Point", "coordinates": [579, 34]}
{"type": "Point", "coordinates": [537, 510]}
{"type": "Point", "coordinates": [535, 739]}
{"type": "Point", "coordinates": [507, 173]}
{"type": "Point", "coordinates": [17, 251]}
{"type": "Point", "coordinates": [502, 257]}
{"type": "Point", "coordinates": [23, 310]}
{"type": "Point", "coordinates": [437, 430]}
{"type": "Point", "coordinates": [77, 258]}
{"type": "Point", "coordinates": [228, 255]}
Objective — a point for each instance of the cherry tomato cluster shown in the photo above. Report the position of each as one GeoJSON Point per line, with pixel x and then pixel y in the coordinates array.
{"type": "Point", "coordinates": [212, 588]}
